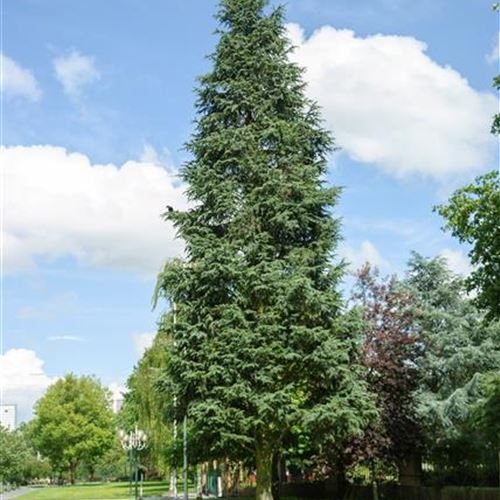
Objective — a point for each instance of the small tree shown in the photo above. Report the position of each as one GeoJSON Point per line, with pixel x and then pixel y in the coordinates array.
{"type": "Point", "coordinates": [15, 456]}
{"type": "Point", "coordinates": [74, 423]}
{"type": "Point", "coordinates": [391, 353]}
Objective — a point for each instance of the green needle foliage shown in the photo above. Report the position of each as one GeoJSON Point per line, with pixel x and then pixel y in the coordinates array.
{"type": "Point", "coordinates": [459, 348]}
{"type": "Point", "coordinates": [257, 347]}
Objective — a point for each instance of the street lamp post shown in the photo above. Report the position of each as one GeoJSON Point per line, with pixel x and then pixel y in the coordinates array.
{"type": "Point", "coordinates": [132, 443]}
{"type": "Point", "coordinates": [184, 434]}
{"type": "Point", "coordinates": [185, 459]}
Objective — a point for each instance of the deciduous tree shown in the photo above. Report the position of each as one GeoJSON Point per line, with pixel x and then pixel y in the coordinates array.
{"type": "Point", "coordinates": [73, 423]}
{"type": "Point", "coordinates": [14, 456]}
{"type": "Point", "coordinates": [472, 215]}
{"type": "Point", "coordinates": [391, 352]}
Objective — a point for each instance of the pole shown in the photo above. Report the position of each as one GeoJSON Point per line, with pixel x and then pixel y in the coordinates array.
{"type": "Point", "coordinates": [185, 461]}
{"type": "Point", "coordinates": [130, 472]}
{"type": "Point", "coordinates": [174, 478]}
{"type": "Point", "coordinates": [136, 472]}
{"type": "Point", "coordinates": [174, 475]}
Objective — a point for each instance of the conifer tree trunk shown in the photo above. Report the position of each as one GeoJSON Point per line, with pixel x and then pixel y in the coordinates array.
{"type": "Point", "coordinates": [264, 462]}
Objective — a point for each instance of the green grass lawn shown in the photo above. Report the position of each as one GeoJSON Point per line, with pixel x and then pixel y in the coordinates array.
{"type": "Point", "coordinates": [94, 491]}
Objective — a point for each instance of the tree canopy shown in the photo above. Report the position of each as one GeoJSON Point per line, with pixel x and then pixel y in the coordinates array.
{"type": "Point", "coordinates": [472, 215]}
{"type": "Point", "coordinates": [73, 423]}
{"type": "Point", "coordinates": [459, 347]}
{"type": "Point", "coordinates": [14, 456]}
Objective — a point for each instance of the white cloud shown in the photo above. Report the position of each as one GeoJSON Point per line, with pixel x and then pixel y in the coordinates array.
{"type": "Point", "coordinates": [151, 155]}
{"type": "Point", "coordinates": [143, 341]}
{"type": "Point", "coordinates": [390, 104]}
{"type": "Point", "coordinates": [457, 261]}
{"type": "Point", "coordinates": [75, 71]}
{"type": "Point", "coordinates": [60, 204]}
{"type": "Point", "coordinates": [18, 81]}
{"type": "Point", "coordinates": [68, 338]}
{"type": "Point", "coordinates": [367, 252]}
{"type": "Point", "coordinates": [494, 55]}
{"type": "Point", "coordinates": [23, 380]}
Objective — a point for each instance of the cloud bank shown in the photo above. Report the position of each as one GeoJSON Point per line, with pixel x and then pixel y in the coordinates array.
{"type": "Point", "coordinates": [391, 105]}
{"type": "Point", "coordinates": [23, 380]}
{"type": "Point", "coordinates": [59, 204]}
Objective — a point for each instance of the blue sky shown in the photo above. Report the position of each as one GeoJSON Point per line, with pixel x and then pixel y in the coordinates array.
{"type": "Point", "coordinates": [98, 101]}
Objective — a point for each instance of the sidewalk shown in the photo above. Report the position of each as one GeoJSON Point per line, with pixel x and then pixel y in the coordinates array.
{"type": "Point", "coordinates": [15, 493]}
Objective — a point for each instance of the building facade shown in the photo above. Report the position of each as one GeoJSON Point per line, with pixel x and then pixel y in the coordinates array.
{"type": "Point", "coordinates": [8, 416]}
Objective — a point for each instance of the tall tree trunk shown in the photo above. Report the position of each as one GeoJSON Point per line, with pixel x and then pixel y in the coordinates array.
{"type": "Point", "coordinates": [374, 481]}
{"type": "Point", "coordinates": [264, 462]}
{"type": "Point", "coordinates": [278, 475]}
{"type": "Point", "coordinates": [199, 482]}
{"type": "Point", "coordinates": [341, 483]}
{"type": "Point", "coordinates": [410, 470]}
{"type": "Point", "coordinates": [72, 468]}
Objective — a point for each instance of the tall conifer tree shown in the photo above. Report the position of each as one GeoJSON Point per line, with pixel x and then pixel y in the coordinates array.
{"type": "Point", "coordinates": [258, 347]}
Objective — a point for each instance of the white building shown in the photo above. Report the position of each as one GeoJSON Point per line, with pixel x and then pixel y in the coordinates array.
{"type": "Point", "coordinates": [8, 417]}
{"type": "Point", "coordinates": [116, 403]}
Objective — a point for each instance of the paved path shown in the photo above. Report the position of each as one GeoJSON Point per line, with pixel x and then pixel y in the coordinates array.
{"type": "Point", "coordinates": [15, 493]}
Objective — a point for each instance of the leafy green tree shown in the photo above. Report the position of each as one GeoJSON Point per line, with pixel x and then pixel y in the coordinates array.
{"type": "Point", "coordinates": [458, 347]}
{"type": "Point", "coordinates": [74, 423]}
{"type": "Point", "coordinates": [473, 214]}
{"type": "Point", "coordinates": [14, 456]}
{"type": "Point", "coordinates": [145, 404]}
{"type": "Point", "coordinates": [35, 467]}
{"type": "Point", "coordinates": [257, 344]}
